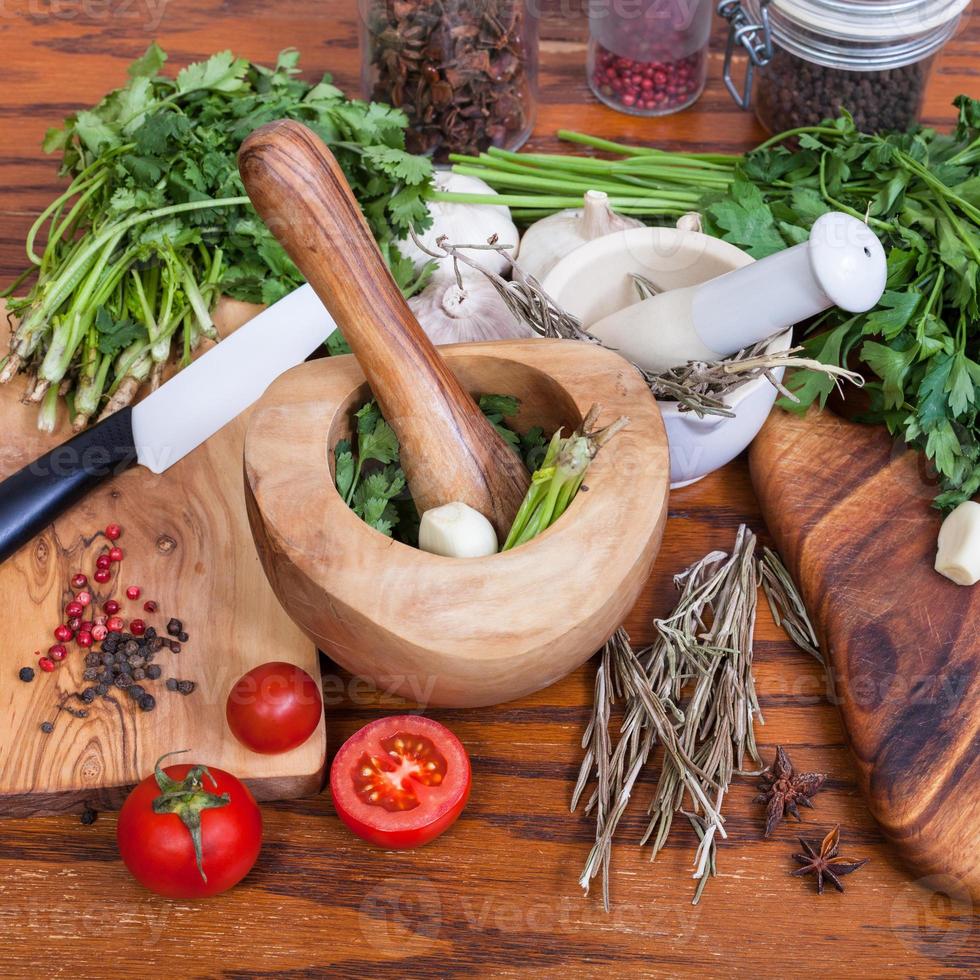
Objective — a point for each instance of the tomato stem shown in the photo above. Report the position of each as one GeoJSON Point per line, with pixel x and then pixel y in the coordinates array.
{"type": "Point", "coordinates": [188, 799]}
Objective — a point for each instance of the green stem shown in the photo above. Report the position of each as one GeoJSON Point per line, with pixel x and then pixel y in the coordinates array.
{"type": "Point", "coordinates": [570, 136]}
{"type": "Point", "coordinates": [69, 277]}
{"type": "Point", "coordinates": [523, 181]}
{"type": "Point", "coordinates": [840, 206]}
{"type": "Point", "coordinates": [558, 203]}
{"type": "Point", "coordinates": [799, 131]}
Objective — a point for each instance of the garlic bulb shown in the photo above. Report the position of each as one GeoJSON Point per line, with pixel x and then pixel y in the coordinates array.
{"type": "Point", "coordinates": [450, 315]}
{"type": "Point", "coordinates": [464, 224]}
{"type": "Point", "coordinates": [456, 530]}
{"type": "Point", "coordinates": [549, 240]}
{"type": "Point", "coordinates": [958, 553]}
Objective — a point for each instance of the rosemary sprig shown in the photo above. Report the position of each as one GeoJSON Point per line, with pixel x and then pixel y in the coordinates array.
{"type": "Point", "coordinates": [698, 386]}
{"type": "Point", "coordinates": [786, 604]}
{"type": "Point", "coordinates": [691, 691]}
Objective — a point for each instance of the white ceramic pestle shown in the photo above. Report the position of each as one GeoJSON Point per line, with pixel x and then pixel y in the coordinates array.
{"type": "Point", "coordinates": [842, 264]}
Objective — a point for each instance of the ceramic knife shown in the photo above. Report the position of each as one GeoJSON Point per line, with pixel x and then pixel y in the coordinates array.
{"type": "Point", "coordinates": [166, 425]}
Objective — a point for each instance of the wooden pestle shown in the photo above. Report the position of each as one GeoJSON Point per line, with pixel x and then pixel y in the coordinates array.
{"type": "Point", "coordinates": [449, 451]}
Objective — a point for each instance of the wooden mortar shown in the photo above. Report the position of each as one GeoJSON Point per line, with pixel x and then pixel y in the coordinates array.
{"type": "Point", "coordinates": [441, 631]}
{"type": "Point", "coordinates": [448, 631]}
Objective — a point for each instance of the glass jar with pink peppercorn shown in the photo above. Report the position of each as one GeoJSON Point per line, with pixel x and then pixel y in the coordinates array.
{"type": "Point", "coordinates": [648, 57]}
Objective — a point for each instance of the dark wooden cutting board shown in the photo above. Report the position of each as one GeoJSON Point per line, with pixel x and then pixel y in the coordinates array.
{"type": "Point", "coordinates": [849, 509]}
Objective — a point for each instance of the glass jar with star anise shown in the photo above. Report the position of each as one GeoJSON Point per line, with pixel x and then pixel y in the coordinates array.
{"type": "Point", "coordinates": [464, 71]}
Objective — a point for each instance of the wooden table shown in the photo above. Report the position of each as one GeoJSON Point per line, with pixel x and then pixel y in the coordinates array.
{"type": "Point", "coordinates": [497, 895]}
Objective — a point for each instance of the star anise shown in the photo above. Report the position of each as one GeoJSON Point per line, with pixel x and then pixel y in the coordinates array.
{"type": "Point", "coordinates": [783, 789]}
{"type": "Point", "coordinates": [825, 863]}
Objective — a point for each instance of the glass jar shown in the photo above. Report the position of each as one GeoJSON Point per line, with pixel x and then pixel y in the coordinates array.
{"type": "Point", "coordinates": [648, 57]}
{"type": "Point", "coordinates": [464, 71]}
{"type": "Point", "coordinates": [870, 57]}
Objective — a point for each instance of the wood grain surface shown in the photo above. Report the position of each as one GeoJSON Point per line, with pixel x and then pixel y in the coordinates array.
{"type": "Point", "coordinates": [449, 451]}
{"type": "Point", "coordinates": [187, 544]}
{"type": "Point", "coordinates": [461, 632]}
{"type": "Point", "coordinates": [850, 513]}
{"type": "Point", "coordinates": [499, 894]}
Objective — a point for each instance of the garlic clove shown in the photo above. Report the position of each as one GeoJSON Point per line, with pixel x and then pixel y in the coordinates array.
{"type": "Point", "coordinates": [958, 552]}
{"type": "Point", "coordinates": [456, 530]}
{"type": "Point", "coordinates": [549, 240]}
{"type": "Point", "coordinates": [690, 222]}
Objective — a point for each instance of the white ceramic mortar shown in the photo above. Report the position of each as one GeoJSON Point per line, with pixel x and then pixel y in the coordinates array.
{"type": "Point", "coordinates": [594, 281]}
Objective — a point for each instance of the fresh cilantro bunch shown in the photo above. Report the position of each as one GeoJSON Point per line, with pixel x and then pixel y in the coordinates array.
{"type": "Point", "coordinates": [155, 223]}
{"type": "Point", "coordinates": [372, 482]}
{"type": "Point", "coordinates": [920, 192]}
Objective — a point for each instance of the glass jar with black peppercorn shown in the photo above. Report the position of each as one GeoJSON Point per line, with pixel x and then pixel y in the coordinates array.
{"type": "Point", "coordinates": [816, 57]}
{"type": "Point", "coordinates": [464, 71]}
{"type": "Point", "coordinates": [648, 58]}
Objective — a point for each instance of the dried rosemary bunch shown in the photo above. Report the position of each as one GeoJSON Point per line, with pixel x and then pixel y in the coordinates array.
{"type": "Point", "coordinates": [698, 386]}
{"type": "Point", "coordinates": [691, 691]}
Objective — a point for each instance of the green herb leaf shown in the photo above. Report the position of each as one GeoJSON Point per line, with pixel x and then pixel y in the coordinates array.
{"type": "Point", "coordinates": [115, 335]}
{"type": "Point", "coordinates": [149, 63]}
{"type": "Point", "coordinates": [222, 72]}
{"type": "Point", "coordinates": [746, 220]}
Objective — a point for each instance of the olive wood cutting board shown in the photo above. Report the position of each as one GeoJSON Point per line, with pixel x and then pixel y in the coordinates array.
{"type": "Point", "coordinates": [187, 544]}
{"type": "Point", "coordinates": [849, 509]}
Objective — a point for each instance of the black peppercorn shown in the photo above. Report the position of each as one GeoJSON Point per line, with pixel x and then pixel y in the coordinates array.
{"type": "Point", "coordinates": [89, 674]}
{"type": "Point", "coordinates": [147, 702]}
{"type": "Point", "coordinates": [171, 683]}
{"type": "Point", "coordinates": [123, 680]}
{"type": "Point", "coordinates": [139, 674]}
{"type": "Point", "coordinates": [131, 648]}
{"type": "Point", "coordinates": [88, 695]}
{"type": "Point", "coordinates": [175, 627]}
{"type": "Point", "coordinates": [89, 816]}
{"type": "Point", "coordinates": [156, 644]}
{"type": "Point", "coordinates": [26, 674]}
{"type": "Point", "coordinates": [47, 727]}
{"type": "Point", "coordinates": [795, 92]}
{"type": "Point", "coordinates": [174, 646]}
{"type": "Point", "coordinates": [92, 660]}
{"type": "Point", "coordinates": [186, 687]}
{"type": "Point", "coordinates": [153, 672]}
{"type": "Point", "coordinates": [136, 692]}
{"type": "Point", "coordinates": [183, 637]}
{"type": "Point", "coordinates": [102, 689]}
{"type": "Point", "coordinates": [151, 633]}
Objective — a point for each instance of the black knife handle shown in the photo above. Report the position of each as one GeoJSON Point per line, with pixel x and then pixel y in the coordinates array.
{"type": "Point", "coordinates": [43, 490]}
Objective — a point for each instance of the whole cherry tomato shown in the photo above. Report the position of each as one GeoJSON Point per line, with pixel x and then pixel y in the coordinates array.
{"type": "Point", "coordinates": [401, 781]}
{"type": "Point", "coordinates": [189, 831]}
{"type": "Point", "coordinates": [274, 708]}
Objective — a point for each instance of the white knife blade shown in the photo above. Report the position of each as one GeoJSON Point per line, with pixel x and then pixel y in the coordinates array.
{"type": "Point", "coordinates": [217, 387]}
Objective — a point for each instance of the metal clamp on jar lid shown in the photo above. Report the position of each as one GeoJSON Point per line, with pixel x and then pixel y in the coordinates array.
{"type": "Point", "coordinates": [852, 35]}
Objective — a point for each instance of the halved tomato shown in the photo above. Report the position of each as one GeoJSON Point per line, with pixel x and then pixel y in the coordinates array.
{"type": "Point", "coordinates": [401, 781]}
